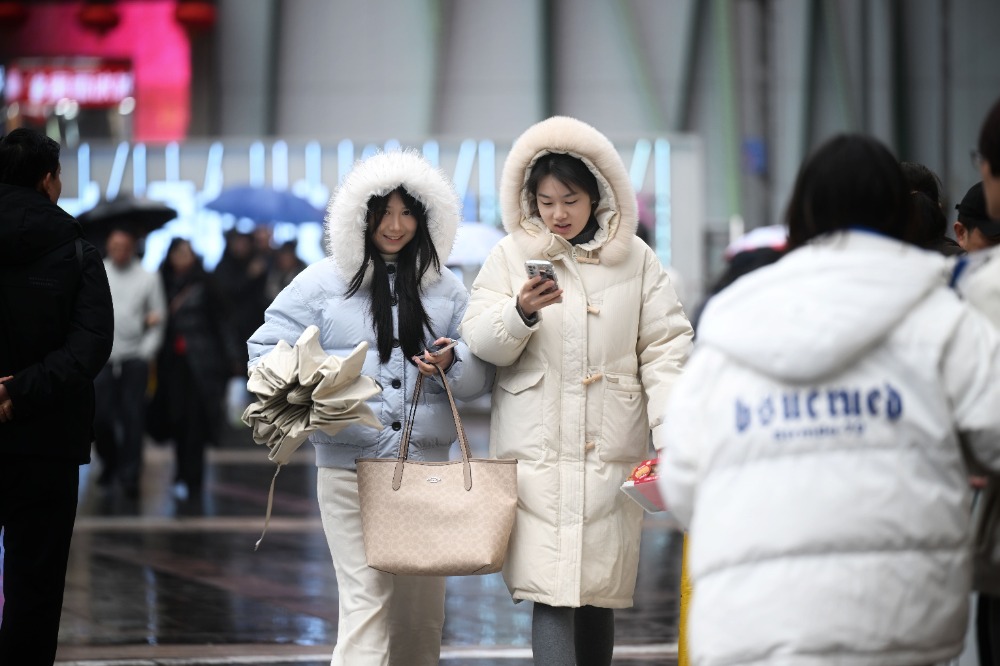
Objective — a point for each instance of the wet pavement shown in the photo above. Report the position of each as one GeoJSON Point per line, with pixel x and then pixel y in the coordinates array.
{"type": "Point", "coordinates": [162, 581]}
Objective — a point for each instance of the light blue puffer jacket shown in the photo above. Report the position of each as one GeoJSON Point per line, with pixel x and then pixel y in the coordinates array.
{"type": "Point", "coordinates": [317, 296]}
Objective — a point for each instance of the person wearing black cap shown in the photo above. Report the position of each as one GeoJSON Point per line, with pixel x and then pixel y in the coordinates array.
{"type": "Point", "coordinates": [974, 229]}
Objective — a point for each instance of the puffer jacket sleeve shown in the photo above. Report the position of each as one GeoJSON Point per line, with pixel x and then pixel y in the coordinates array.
{"type": "Point", "coordinates": [677, 468]}
{"type": "Point", "coordinates": [664, 343]}
{"type": "Point", "coordinates": [285, 319]}
{"type": "Point", "coordinates": [972, 387]}
{"type": "Point", "coordinates": [492, 326]}
{"type": "Point", "coordinates": [469, 376]}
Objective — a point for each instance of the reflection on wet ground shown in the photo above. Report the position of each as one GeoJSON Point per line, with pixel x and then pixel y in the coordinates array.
{"type": "Point", "coordinates": [159, 581]}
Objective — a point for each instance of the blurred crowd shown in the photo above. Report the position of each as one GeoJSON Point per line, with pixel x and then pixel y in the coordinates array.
{"type": "Point", "coordinates": [180, 337]}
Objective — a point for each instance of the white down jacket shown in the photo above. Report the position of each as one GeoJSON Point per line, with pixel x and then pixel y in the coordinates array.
{"type": "Point", "coordinates": [571, 395]}
{"type": "Point", "coordinates": [316, 296]}
{"type": "Point", "coordinates": [814, 454]}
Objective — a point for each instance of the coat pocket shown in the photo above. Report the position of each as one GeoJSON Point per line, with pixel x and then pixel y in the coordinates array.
{"type": "Point", "coordinates": [517, 427]}
{"type": "Point", "coordinates": [624, 426]}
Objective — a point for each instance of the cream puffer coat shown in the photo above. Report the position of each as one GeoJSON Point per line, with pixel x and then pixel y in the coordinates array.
{"type": "Point", "coordinates": [571, 395]}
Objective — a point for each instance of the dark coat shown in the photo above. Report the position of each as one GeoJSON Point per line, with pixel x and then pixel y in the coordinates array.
{"type": "Point", "coordinates": [56, 327]}
{"type": "Point", "coordinates": [195, 360]}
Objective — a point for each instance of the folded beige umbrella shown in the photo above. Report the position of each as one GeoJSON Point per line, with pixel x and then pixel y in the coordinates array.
{"type": "Point", "coordinates": [300, 390]}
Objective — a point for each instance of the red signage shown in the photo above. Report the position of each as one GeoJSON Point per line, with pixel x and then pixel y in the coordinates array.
{"type": "Point", "coordinates": [100, 84]}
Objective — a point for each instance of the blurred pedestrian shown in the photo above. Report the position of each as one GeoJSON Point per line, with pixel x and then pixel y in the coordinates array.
{"type": "Point", "coordinates": [391, 225]}
{"type": "Point", "coordinates": [578, 361]}
{"type": "Point", "coordinates": [814, 439]}
{"type": "Point", "coordinates": [192, 366]}
{"type": "Point", "coordinates": [240, 276]}
{"type": "Point", "coordinates": [285, 265]}
{"type": "Point", "coordinates": [140, 319]}
{"type": "Point", "coordinates": [56, 327]}
{"type": "Point", "coordinates": [988, 158]}
{"type": "Point", "coordinates": [974, 228]}
{"type": "Point", "coordinates": [977, 279]}
{"type": "Point", "coordinates": [925, 189]}
{"type": "Point", "coordinates": [756, 248]}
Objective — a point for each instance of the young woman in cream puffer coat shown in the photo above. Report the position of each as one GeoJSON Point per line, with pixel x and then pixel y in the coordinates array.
{"type": "Point", "coordinates": [577, 368]}
{"type": "Point", "coordinates": [391, 227]}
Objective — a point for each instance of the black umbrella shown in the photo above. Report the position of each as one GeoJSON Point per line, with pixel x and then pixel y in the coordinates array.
{"type": "Point", "coordinates": [136, 215]}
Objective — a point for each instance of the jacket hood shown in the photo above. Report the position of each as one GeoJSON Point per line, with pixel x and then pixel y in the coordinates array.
{"type": "Point", "coordinates": [617, 212]}
{"type": "Point", "coordinates": [31, 225]}
{"type": "Point", "coordinates": [377, 176]}
{"type": "Point", "coordinates": [823, 306]}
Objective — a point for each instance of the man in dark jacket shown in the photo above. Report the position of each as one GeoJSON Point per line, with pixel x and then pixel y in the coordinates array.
{"type": "Point", "coordinates": [56, 327]}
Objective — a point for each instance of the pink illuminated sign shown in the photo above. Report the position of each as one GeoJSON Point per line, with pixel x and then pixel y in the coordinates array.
{"type": "Point", "coordinates": [98, 85]}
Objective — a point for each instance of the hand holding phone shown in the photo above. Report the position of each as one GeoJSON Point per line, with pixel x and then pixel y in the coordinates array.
{"type": "Point", "coordinates": [544, 268]}
{"type": "Point", "coordinates": [533, 298]}
{"type": "Point", "coordinates": [435, 349]}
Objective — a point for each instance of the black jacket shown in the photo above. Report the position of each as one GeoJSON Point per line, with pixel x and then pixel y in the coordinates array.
{"type": "Point", "coordinates": [56, 327]}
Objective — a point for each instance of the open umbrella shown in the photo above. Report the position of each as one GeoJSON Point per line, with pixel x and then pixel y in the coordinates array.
{"type": "Point", "coordinates": [265, 204]}
{"type": "Point", "coordinates": [473, 243]}
{"type": "Point", "coordinates": [137, 215]}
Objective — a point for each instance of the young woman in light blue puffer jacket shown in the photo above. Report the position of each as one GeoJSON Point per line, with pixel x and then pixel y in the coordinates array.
{"type": "Point", "coordinates": [390, 228]}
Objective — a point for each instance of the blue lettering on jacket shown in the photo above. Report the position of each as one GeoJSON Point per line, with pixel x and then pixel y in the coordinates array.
{"type": "Point", "coordinates": [818, 412]}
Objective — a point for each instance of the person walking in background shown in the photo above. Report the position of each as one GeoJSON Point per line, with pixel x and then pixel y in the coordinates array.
{"type": "Point", "coordinates": [814, 438]}
{"type": "Point", "coordinates": [240, 276]}
{"type": "Point", "coordinates": [974, 228]}
{"type": "Point", "coordinates": [925, 188]}
{"type": "Point", "coordinates": [977, 280]}
{"type": "Point", "coordinates": [285, 265]}
{"type": "Point", "coordinates": [56, 327]}
{"type": "Point", "coordinates": [579, 362]}
{"type": "Point", "coordinates": [192, 366]}
{"type": "Point", "coordinates": [390, 227]}
{"type": "Point", "coordinates": [140, 318]}
{"type": "Point", "coordinates": [988, 159]}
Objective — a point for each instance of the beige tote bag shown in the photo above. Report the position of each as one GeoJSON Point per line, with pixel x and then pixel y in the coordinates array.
{"type": "Point", "coordinates": [436, 518]}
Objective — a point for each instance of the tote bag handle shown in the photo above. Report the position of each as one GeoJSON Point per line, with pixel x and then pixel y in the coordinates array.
{"type": "Point", "coordinates": [404, 443]}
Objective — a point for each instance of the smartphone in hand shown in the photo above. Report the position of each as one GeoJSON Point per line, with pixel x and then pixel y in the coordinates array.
{"type": "Point", "coordinates": [436, 350]}
{"type": "Point", "coordinates": [544, 268]}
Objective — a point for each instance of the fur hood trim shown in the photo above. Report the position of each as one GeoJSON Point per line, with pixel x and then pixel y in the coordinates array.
{"type": "Point", "coordinates": [376, 176]}
{"type": "Point", "coordinates": [617, 212]}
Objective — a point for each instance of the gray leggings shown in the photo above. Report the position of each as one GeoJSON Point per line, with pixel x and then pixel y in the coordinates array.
{"type": "Point", "coordinates": [562, 636]}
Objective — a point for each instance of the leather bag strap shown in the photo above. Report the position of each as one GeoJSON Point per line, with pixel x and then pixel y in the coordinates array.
{"type": "Point", "coordinates": [404, 443]}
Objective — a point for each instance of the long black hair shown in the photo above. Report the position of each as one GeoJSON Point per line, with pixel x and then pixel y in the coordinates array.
{"type": "Point", "coordinates": [851, 180]}
{"type": "Point", "coordinates": [413, 261]}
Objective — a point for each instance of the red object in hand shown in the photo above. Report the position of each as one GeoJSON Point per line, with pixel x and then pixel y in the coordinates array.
{"type": "Point", "coordinates": [180, 345]}
{"type": "Point", "coordinates": [641, 486]}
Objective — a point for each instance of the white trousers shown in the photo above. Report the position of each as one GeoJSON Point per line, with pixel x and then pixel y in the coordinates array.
{"type": "Point", "coordinates": [385, 620]}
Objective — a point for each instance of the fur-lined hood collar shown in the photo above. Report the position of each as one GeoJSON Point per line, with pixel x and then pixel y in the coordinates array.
{"type": "Point", "coordinates": [377, 176]}
{"type": "Point", "coordinates": [617, 212]}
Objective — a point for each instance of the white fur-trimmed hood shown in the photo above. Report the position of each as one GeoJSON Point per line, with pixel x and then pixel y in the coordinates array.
{"type": "Point", "coordinates": [376, 176]}
{"type": "Point", "coordinates": [617, 213]}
